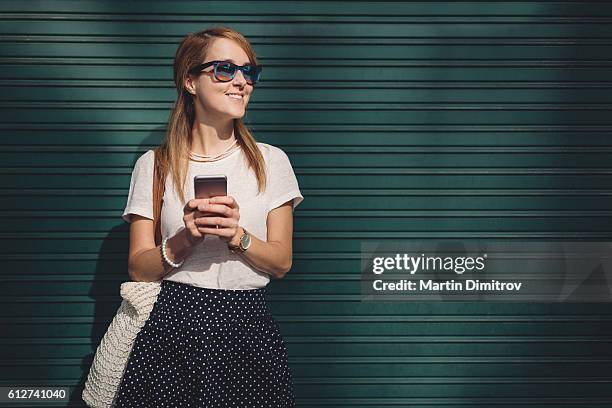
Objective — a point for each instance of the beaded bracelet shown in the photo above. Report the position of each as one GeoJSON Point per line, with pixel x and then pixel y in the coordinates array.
{"type": "Point", "coordinates": [165, 255]}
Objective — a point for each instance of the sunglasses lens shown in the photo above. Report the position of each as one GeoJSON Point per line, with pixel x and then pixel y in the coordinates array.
{"type": "Point", "coordinates": [226, 71]}
{"type": "Point", "coordinates": [252, 74]}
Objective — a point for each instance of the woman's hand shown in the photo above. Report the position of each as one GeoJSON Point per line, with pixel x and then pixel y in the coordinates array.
{"type": "Point", "coordinates": [190, 213]}
{"type": "Point", "coordinates": [224, 220]}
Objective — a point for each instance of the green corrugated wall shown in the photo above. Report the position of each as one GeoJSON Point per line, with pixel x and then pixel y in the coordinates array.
{"type": "Point", "coordinates": [402, 120]}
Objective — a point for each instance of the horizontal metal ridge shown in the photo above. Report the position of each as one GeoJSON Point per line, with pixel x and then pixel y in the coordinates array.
{"type": "Point", "coordinates": [371, 106]}
{"type": "Point", "coordinates": [348, 170]}
{"type": "Point", "coordinates": [344, 84]}
{"type": "Point", "coordinates": [451, 380]}
{"type": "Point", "coordinates": [419, 380]}
{"type": "Point", "coordinates": [350, 339]}
{"type": "Point", "coordinates": [361, 149]}
{"type": "Point", "coordinates": [356, 235]}
{"type": "Point", "coordinates": [344, 214]}
{"type": "Point", "coordinates": [405, 62]}
{"type": "Point", "coordinates": [330, 16]}
{"type": "Point", "coordinates": [485, 319]}
{"type": "Point", "coordinates": [330, 127]}
{"type": "Point", "coordinates": [464, 359]}
{"type": "Point", "coordinates": [312, 39]}
{"type": "Point", "coordinates": [303, 297]}
{"type": "Point", "coordinates": [466, 401]}
{"type": "Point", "coordinates": [340, 191]}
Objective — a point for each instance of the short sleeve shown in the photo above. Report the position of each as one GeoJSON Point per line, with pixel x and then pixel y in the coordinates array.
{"type": "Point", "coordinates": [282, 183]}
{"type": "Point", "coordinates": [140, 197]}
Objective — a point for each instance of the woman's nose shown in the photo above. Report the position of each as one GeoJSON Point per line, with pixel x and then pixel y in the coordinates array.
{"type": "Point", "coordinates": [239, 73]}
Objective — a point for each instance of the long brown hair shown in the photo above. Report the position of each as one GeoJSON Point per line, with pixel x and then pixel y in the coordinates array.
{"type": "Point", "coordinates": [174, 150]}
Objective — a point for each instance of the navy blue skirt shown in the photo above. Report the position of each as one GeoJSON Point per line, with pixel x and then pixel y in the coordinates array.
{"type": "Point", "coordinates": [208, 348]}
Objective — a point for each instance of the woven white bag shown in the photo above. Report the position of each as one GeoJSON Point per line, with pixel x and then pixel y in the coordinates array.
{"type": "Point", "coordinates": [112, 355]}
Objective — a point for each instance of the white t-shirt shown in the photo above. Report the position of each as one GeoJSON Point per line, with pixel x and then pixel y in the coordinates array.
{"type": "Point", "coordinates": [211, 264]}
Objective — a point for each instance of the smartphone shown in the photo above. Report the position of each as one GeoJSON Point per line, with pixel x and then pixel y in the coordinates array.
{"type": "Point", "coordinates": [210, 186]}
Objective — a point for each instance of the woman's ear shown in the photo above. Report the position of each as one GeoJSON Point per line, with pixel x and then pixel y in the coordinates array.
{"type": "Point", "coordinates": [190, 85]}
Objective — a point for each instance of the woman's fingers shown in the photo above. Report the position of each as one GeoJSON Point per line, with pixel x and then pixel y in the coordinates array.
{"type": "Point", "coordinates": [190, 206]}
{"type": "Point", "coordinates": [223, 227]}
{"type": "Point", "coordinates": [190, 211]}
{"type": "Point", "coordinates": [221, 209]}
{"type": "Point", "coordinates": [222, 222]}
{"type": "Point", "coordinates": [227, 200]}
{"type": "Point", "coordinates": [220, 232]}
{"type": "Point", "coordinates": [227, 233]}
{"type": "Point", "coordinates": [193, 204]}
{"type": "Point", "coordinates": [216, 208]}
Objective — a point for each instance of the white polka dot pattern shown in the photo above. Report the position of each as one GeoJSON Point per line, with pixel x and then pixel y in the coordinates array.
{"type": "Point", "coordinates": [204, 347]}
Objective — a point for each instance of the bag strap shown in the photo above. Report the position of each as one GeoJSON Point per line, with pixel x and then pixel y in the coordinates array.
{"type": "Point", "coordinates": [159, 186]}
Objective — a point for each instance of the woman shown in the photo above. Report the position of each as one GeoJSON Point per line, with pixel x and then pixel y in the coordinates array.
{"type": "Point", "coordinates": [210, 340]}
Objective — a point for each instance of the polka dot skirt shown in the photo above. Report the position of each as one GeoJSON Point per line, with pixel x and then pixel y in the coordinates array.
{"type": "Point", "coordinates": [208, 348]}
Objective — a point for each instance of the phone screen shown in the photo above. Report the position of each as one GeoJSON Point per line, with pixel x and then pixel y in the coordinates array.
{"type": "Point", "coordinates": [210, 186]}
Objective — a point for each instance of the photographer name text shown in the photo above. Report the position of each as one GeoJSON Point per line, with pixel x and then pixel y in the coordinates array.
{"type": "Point", "coordinates": [448, 285]}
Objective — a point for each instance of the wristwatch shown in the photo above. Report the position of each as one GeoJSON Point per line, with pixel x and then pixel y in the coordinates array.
{"type": "Point", "coordinates": [243, 245]}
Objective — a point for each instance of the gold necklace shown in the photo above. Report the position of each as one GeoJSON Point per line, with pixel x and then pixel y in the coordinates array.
{"type": "Point", "coordinates": [206, 158]}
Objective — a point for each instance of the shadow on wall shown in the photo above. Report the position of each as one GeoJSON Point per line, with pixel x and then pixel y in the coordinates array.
{"type": "Point", "coordinates": [110, 272]}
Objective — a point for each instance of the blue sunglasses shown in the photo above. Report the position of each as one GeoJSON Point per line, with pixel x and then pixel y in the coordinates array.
{"type": "Point", "coordinates": [225, 71]}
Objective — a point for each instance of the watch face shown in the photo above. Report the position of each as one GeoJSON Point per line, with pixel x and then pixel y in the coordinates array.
{"type": "Point", "coordinates": [245, 240]}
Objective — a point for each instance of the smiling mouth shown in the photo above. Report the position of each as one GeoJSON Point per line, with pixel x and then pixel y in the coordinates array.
{"type": "Point", "coordinates": [235, 97]}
